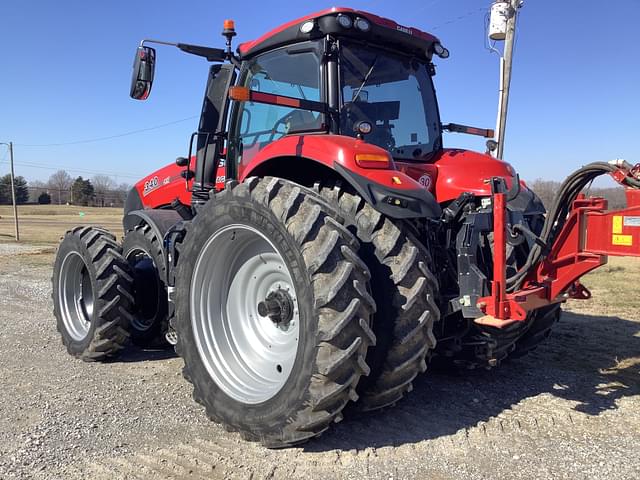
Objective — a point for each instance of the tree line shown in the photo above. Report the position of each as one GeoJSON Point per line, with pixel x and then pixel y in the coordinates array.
{"type": "Point", "coordinates": [62, 189]}
{"type": "Point", "coordinates": [103, 191]}
{"type": "Point", "coordinates": [548, 189]}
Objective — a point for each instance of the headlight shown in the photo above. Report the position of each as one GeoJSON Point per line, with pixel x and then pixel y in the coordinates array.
{"type": "Point", "coordinates": [363, 25]}
{"type": "Point", "coordinates": [306, 27]}
{"type": "Point", "coordinates": [440, 51]}
{"type": "Point", "coordinates": [345, 21]}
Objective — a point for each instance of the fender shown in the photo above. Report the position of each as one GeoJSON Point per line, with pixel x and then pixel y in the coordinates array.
{"type": "Point", "coordinates": [389, 190]}
{"type": "Point", "coordinates": [160, 220]}
{"type": "Point", "coordinates": [137, 213]}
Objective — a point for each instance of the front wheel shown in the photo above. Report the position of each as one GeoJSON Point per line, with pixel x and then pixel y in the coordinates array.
{"type": "Point", "coordinates": [92, 296]}
{"type": "Point", "coordinates": [143, 251]}
{"type": "Point", "coordinates": [273, 312]}
{"type": "Point", "coordinates": [543, 320]}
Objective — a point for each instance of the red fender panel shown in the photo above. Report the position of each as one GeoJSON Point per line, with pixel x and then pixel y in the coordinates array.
{"type": "Point", "coordinates": [328, 150]}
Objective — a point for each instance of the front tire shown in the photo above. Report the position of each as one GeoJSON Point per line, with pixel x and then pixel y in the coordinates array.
{"type": "Point", "coordinates": [541, 325]}
{"type": "Point", "coordinates": [283, 374]}
{"type": "Point", "coordinates": [91, 294]}
{"type": "Point", "coordinates": [143, 251]}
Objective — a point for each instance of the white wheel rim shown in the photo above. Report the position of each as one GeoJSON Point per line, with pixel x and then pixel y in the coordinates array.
{"type": "Point", "coordinates": [75, 296]}
{"type": "Point", "coordinates": [249, 356]}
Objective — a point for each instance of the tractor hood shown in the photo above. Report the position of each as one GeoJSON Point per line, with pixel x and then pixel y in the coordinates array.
{"type": "Point", "coordinates": [467, 171]}
{"type": "Point", "coordinates": [451, 172]}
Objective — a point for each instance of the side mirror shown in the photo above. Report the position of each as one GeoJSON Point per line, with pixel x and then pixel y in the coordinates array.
{"type": "Point", "coordinates": [144, 65]}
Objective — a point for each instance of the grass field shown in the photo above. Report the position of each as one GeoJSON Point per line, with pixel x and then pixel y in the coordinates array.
{"type": "Point", "coordinates": [615, 289]}
{"type": "Point", "coordinates": [45, 224]}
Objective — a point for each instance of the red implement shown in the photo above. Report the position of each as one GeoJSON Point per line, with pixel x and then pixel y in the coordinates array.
{"type": "Point", "coordinates": [589, 235]}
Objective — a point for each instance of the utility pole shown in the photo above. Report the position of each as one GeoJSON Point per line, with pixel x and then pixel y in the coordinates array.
{"type": "Point", "coordinates": [13, 192]}
{"type": "Point", "coordinates": [506, 62]}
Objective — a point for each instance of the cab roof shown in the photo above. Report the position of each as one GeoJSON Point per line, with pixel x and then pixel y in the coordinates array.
{"type": "Point", "coordinates": [383, 31]}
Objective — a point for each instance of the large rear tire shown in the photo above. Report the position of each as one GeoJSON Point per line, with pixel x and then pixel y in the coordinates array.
{"type": "Point", "coordinates": [92, 294]}
{"type": "Point", "coordinates": [401, 275]}
{"type": "Point", "coordinates": [273, 312]}
{"type": "Point", "coordinates": [143, 251]}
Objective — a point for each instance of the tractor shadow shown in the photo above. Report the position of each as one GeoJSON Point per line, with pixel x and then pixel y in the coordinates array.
{"type": "Point", "coordinates": [589, 362]}
{"type": "Point", "coordinates": [133, 353]}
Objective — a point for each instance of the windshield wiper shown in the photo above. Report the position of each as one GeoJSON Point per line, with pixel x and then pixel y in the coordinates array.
{"type": "Point", "coordinates": [366, 78]}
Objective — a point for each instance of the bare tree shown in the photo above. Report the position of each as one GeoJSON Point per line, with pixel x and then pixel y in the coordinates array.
{"type": "Point", "coordinates": [60, 184]}
{"type": "Point", "coordinates": [121, 193]}
{"type": "Point", "coordinates": [103, 186]}
{"type": "Point", "coordinates": [546, 190]}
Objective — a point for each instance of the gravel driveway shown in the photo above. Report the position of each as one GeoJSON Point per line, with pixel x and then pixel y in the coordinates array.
{"type": "Point", "coordinates": [569, 410]}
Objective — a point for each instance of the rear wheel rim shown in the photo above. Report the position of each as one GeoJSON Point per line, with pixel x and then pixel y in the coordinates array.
{"type": "Point", "coordinates": [75, 296]}
{"type": "Point", "coordinates": [249, 356]}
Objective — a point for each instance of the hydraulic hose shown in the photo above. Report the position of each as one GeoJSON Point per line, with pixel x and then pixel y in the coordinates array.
{"type": "Point", "coordinates": [558, 213]}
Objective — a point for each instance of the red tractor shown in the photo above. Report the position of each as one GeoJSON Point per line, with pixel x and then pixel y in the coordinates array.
{"type": "Point", "coordinates": [321, 246]}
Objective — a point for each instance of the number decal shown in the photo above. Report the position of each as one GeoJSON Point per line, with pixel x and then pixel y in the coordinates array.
{"type": "Point", "coordinates": [150, 186]}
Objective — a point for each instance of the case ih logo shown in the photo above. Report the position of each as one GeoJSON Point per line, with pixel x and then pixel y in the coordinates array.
{"type": "Point", "coordinates": [406, 30]}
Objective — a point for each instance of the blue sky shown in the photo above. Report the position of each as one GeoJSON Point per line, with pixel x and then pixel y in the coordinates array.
{"type": "Point", "coordinates": [66, 67]}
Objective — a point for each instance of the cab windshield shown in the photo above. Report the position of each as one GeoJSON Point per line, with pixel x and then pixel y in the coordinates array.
{"type": "Point", "coordinates": [394, 94]}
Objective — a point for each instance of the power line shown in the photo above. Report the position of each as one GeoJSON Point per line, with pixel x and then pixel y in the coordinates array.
{"type": "Point", "coordinates": [460, 17]}
{"type": "Point", "coordinates": [78, 170]}
{"type": "Point", "coordinates": [110, 137]}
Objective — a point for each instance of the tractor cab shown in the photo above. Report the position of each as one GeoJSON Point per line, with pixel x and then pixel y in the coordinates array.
{"type": "Point", "coordinates": [369, 78]}
{"type": "Point", "coordinates": [384, 97]}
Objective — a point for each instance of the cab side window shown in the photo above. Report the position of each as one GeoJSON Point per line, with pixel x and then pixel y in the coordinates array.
{"type": "Point", "coordinates": [288, 74]}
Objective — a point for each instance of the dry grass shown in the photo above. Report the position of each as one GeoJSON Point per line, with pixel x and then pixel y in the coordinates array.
{"type": "Point", "coordinates": [615, 288]}
{"type": "Point", "coordinates": [45, 224]}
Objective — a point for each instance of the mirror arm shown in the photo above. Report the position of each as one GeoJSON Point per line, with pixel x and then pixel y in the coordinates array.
{"type": "Point", "coordinates": [159, 42]}
{"type": "Point", "coordinates": [211, 54]}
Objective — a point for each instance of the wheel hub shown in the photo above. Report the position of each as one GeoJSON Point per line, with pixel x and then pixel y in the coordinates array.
{"type": "Point", "coordinates": [278, 306]}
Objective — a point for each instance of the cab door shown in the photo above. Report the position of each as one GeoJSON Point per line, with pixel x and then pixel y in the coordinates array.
{"type": "Point", "coordinates": [294, 71]}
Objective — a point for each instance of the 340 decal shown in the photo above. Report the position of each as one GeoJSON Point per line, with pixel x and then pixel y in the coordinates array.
{"type": "Point", "coordinates": [150, 185]}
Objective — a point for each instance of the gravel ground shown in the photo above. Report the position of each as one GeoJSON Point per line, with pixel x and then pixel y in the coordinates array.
{"type": "Point", "coordinates": [569, 410]}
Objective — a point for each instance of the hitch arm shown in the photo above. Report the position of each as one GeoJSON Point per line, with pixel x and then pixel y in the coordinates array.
{"type": "Point", "coordinates": [589, 234]}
